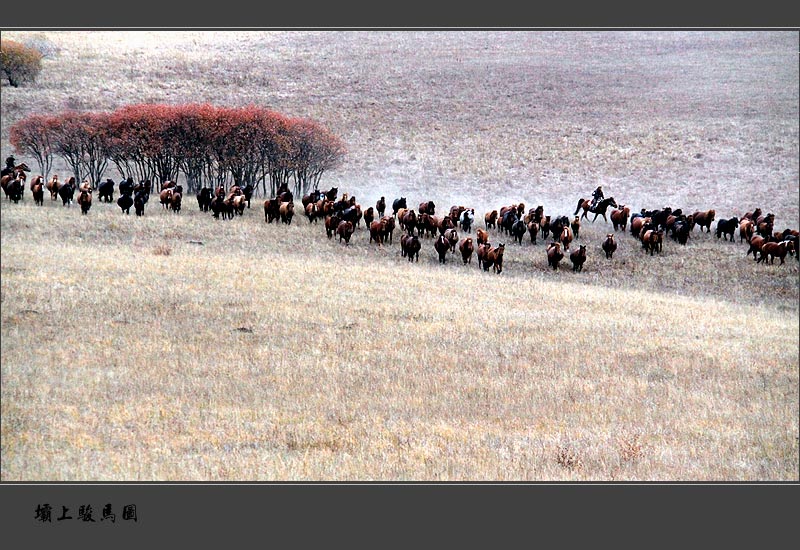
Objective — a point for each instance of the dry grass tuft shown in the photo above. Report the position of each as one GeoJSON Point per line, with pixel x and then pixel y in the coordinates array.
{"type": "Point", "coordinates": [567, 457]}
{"type": "Point", "coordinates": [630, 448]}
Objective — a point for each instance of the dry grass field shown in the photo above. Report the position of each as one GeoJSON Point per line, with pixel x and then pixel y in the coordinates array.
{"type": "Point", "coordinates": [268, 352]}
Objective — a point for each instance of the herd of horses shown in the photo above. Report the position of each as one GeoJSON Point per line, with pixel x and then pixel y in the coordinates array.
{"type": "Point", "coordinates": [452, 231]}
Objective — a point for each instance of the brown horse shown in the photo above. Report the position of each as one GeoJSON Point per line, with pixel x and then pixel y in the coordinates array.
{"type": "Point", "coordinates": [286, 212]}
{"type": "Point", "coordinates": [369, 216]}
{"type": "Point", "coordinates": [85, 200]}
{"type": "Point", "coordinates": [37, 190]}
{"type": "Point", "coordinates": [410, 247]}
{"type": "Point", "coordinates": [442, 245]}
{"type": "Point", "coordinates": [576, 226]}
{"type": "Point", "coordinates": [652, 240]}
{"type": "Point", "coordinates": [376, 231]}
{"type": "Point", "coordinates": [345, 231]}
{"type": "Point", "coordinates": [752, 216]}
{"type": "Point", "coordinates": [53, 186]}
{"type": "Point", "coordinates": [566, 237]}
{"type": "Point", "coordinates": [619, 218]}
{"type": "Point", "coordinates": [13, 171]}
{"type": "Point", "coordinates": [388, 228]}
{"type": "Point", "coordinates": [609, 246]}
{"type": "Point", "coordinates": [380, 206]}
{"type": "Point", "coordinates": [331, 224]}
{"type": "Point", "coordinates": [466, 248]}
{"type": "Point", "coordinates": [426, 225]}
{"type": "Point", "coordinates": [704, 219]}
{"type": "Point", "coordinates": [533, 230]}
{"type": "Point", "coordinates": [554, 255]}
{"type": "Point", "coordinates": [483, 249]}
{"type": "Point", "coordinates": [578, 258]}
{"type": "Point", "coordinates": [407, 220]}
{"type": "Point", "coordinates": [482, 236]}
{"type": "Point", "coordinates": [746, 230]}
{"type": "Point", "coordinates": [271, 209]}
{"type": "Point", "coordinates": [18, 174]}
{"type": "Point", "coordinates": [452, 237]}
{"type": "Point", "coordinates": [637, 224]}
{"type": "Point", "coordinates": [490, 218]}
{"type": "Point", "coordinates": [756, 242]}
{"type": "Point", "coordinates": [772, 250]}
{"type": "Point", "coordinates": [176, 199]}
{"type": "Point", "coordinates": [494, 258]}
{"type": "Point", "coordinates": [165, 197]}
{"type": "Point", "coordinates": [427, 207]}
{"type": "Point", "coordinates": [311, 212]}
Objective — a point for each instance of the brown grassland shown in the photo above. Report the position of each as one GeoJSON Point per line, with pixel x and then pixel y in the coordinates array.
{"type": "Point", "coordinates": [268, 352]}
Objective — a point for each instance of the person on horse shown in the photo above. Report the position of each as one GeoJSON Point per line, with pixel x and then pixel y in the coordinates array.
{"type": "Point", "coordinates": [10, 165]}
{"type": "Point", "coordinates": [597, 196]}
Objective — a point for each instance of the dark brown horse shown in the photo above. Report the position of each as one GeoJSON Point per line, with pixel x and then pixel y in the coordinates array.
{"type": "Point", "coordinates": [388, 228]}
{"type": "Point", "coordinates": [466, 248]}
{"type": "Point", "coordinates": [533, 230]}
{"type": "Point", "coordinates": [554, 255]}
{"type": "Point", "coordinates": [578, 258]}
{"type": "Point", "coordinates": [442, 245]}
{"type": "Point", "coordinates": [345, 231]}
{"type": "Point", "coordinates": [609, 246]}
{"type": "Point", "coordinates": [380, 206]}
{"type": "Point", "coordinates": [410, 247]}
{"type": "Point", "coordinates": [18, 174]}
{"type": "Point", "coordinates": [598, 210]}
{"type": "Point", "coordinates": [331, 223]}
{"type": "Point", "coordinates": [427, 207]}
{"type": "Point", "coordinates": [85, 200]}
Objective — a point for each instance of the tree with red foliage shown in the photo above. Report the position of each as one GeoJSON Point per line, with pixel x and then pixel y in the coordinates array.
{"type": "Point", "coordinates": [194, 124]}
{"type": "Point", "coordinates": [143, 143]}
{"type": "Point", "coordinates": [314, 150]}
{"type": "Point", "coordinates": [32, 136]}
{"type": "Point", "coordinates": [81, 139]}
{"type": "Point", "coordinates": [274, 149]}
{"type": "Point", "coordinates": [68, 129]}
{"type": "Point", "coordinates": [158, 142]}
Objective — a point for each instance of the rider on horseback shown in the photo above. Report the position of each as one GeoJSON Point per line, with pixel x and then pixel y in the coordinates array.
{"type": "Point", "coordinates": [597, 196]}
{"type": "Point", "coordinates": [10, 165]}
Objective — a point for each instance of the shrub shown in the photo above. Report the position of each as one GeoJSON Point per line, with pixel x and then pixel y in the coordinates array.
{"type": "Point", "coordinates": [19, 63]}
{"type": "Point", "coordinates": [42, 44]}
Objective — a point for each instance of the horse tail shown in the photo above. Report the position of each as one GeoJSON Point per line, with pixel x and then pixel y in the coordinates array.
{"type": "Point", "coordinates": [580, 203]}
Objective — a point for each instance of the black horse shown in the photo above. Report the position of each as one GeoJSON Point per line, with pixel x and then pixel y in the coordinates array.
{"type": "Point", "coordinates": [598, 210]}
{"type": "Point", "coordinates": [105, 191]}
{"type": "Point", "coordinates": [397, 204]}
